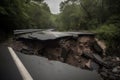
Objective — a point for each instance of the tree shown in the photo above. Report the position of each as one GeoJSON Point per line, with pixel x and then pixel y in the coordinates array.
{"type": "Point", "coordinates": [21, 14]}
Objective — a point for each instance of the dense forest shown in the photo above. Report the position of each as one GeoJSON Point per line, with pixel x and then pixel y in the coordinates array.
{"type": "Point", "coordinates": [99, 16]}
{"type": "Point", "coordinates": [23, 14]}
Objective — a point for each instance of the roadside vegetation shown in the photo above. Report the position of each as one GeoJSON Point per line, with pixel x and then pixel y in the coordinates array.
{"type": "Point", "coordinates": [99, 16]}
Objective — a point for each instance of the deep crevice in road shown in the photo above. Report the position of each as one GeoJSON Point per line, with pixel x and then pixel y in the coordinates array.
{"type": "Point", "coordinates": [73, 51]}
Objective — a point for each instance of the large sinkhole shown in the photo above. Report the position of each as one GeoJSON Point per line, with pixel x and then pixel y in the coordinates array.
{"type": "Point", "coordinates": [68, 50]}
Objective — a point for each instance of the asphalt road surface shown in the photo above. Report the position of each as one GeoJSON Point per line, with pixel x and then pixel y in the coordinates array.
{"type": "Point", "coordinates": [8, 69]}
{"type": "Point", "coordinates": [41, 68]}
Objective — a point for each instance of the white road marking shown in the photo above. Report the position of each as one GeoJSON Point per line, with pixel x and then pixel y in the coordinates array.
{"type": "Point", "coordinates": [23, 71]}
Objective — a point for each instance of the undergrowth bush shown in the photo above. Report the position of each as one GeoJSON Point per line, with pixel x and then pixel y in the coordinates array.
{"type": "Point", "coordinates": [111, 35]}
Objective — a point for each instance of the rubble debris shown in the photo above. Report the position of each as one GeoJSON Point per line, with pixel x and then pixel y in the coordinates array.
{"type": "Point", "coordinates": [116, 69]}
{"type": "Point", "coordinates": [26, 51]}
{"type": "Point", "coordinates": [80, 49]}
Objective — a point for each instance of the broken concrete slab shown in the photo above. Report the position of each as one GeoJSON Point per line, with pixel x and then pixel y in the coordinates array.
{"type": "Point", "coordinates": [46, 34]}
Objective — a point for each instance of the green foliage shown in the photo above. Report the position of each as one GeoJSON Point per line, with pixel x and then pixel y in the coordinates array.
{"type": "Point", "coordinates": [17, 14]}
{"type": "Point", "coordinates": [21, 14]}
{"type": "Point", "coordinates": [107, 32]}
{"type": "Point", "coordinates": [111, 35]}
{"type": "Point", "coordinates": [82, 14]}
{"type": "Point", "coordinates": [12, 14]}
{"type": "Point", "coordinates": [100, 16]}
{"type": "Point", "coordinates": [39, 15]}
{"type": "Point", "coordinates": [39, 0]}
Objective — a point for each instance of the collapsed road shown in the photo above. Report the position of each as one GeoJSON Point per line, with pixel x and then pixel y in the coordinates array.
{"type": "Point", "coordinates": [39, 68]}
{"type": "Point", "coordinates": [79, 49]}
